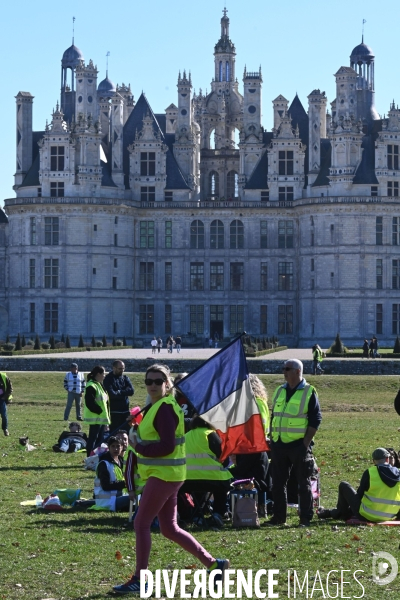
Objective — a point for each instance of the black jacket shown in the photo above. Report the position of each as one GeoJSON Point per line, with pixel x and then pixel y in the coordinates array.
{"type": "Point", "coordinates": [118, 388]}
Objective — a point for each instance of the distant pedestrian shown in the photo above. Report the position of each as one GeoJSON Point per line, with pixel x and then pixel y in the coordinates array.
{"type": "Point", "coordinates": [178, 343]}
{"type": "Point", "coordinates": [375, 346]}
{"type": "Point", "coordinates": [153, 345]}
{"type": "Point", "coordinates": [371, 348]}
{"type": "Point", "coordinates": [216, 340]}
{"type": "Point", "coordinates": [5, 398]}
{"type": "Point", "coordinates": [365, 349]}
{"type": "Point", "coordinates": [74, 383]}
{"type": "Point", "coordinates": [317, 359]}
{"type": "Point", "coordinates": [210, 342]}
{"type": "Point", "coordinates": [159, 344]}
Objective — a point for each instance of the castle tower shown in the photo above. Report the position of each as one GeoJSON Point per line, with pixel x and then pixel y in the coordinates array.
{"type": "Point", "coordinates": [24, 101]}
{"type": "Point", "coordinates": [117, 127]}
{"type": "Point", "coordinates": [129, 101]}
{"type": "Point", "coordinates": [184, 146]}
{"type": "Point", "coordinates": [105, 92]}
{"type": "Point", "coordinates": [280, 105]}
{"type": "Point", "coordinates": [362, 60]}
{"type": "Point", "coordinates": [251, 133]}
{"type": "Point", "coordinates": [224, 56]}
{"type": "Point", "coordinates": [317, 130]}
{"type": "Point", "coordinates": [86, 90]}
{"type": "Point", "coordinates": [70, 60]}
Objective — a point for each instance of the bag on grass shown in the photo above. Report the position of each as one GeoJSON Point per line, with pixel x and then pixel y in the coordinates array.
{"type": "Point", "coordinates": [68, 496]}
{"type": "Point", "coordinates": [245, 513]}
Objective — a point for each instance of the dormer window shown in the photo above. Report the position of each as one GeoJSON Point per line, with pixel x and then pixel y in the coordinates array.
{"type": "Point", "coordinates": [57, 154]}
{"type": "Point", "coordinates": [285, 162]}
{"type": "Point", "coordinates": [147, 163]}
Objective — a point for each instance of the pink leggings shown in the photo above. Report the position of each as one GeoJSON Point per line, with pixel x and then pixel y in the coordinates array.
{"type": "Point", "coordinates": [159, 498]}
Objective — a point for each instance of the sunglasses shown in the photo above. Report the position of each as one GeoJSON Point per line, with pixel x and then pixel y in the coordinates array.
{"type": "Point", "coordinates": [157, 381]}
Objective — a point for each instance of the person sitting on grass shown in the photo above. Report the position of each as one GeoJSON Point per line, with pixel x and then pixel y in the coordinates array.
{"type": "Point", "coordinates": [109, 482]}
{"type": "Point", "coordinates": [122, 437]}
{"type": "Point", "coordinates": [377, 498]}
{"type": "Point", "coordinates": [72, 440]}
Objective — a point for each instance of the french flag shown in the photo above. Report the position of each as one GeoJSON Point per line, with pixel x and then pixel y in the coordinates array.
{"type": "Point", "coordinates": [221, 394]}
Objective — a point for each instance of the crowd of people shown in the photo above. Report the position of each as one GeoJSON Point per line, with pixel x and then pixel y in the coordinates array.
{"type": "Point", "coordinates": [166, 451]}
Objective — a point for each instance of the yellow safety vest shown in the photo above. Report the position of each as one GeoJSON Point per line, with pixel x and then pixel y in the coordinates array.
{"type": "Point", "coordinates": [290, 420]}
{"type": "Point", "coordinates": [264, 412]}
{"type": "Point", "coordinates": [102, 400]}
{"type": "Point", "coordinates": [380, 502]}
{"type": "Point", "coordinates": [4, 378]}
{"type": "Point", "coordinates": [107, 499]}
{"type": "Point", "coordinates": [201, 463]}
{"type": "Point", "coordinates": [173, 466]}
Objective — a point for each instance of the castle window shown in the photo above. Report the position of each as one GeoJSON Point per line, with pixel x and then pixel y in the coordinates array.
{"type": "Point", "coordinates": [237, 277]}
{"type": "Point", "coordinates": [168, 276]}
{"type": "Point", "coordinates": [312, 264]}
{"type": "Point", "coordinates": [32, 273]}
{"type": "Point", "coordinates": [379, 231]}
{"type": "Point", "coordinates": [285, 319]}
{"type": "Point", "coordinates": [236, 235]}
{"type": "Point", "coordinates": [39, 192]}
{"type": "Point", "coordinates": [285, 276]}
{"type": "Point", "coordinates": [168, 234]}
{"type": "Point", "coordinates": [227, 71]}
{"type": "Point", "coordinates": [285, 162]}
{"type": "Point", "coordinates": [395, 319]}
{"type": "Point", "coordinates": [213, 183]}
{"type": "Point", "coordinates": [264, 277]}
{"type": "Point", "coordinates": [285, 234]}
{"type": "Point", "coordinates": [263, 234]}
{"type": "Point", "coordinates": [147, 163]}
{"type": "Point", "coordinates": [216, 277]}
{"type": "Point", "coordinates": [146, 276]}
{"type": "Point", "coordinates": [168, 319]}
{"type": "Point", "coordinates": [379, 273]}
{"type": "Point", "coordinates": [197, 235]}
{"type": "Point", "coordinates": [50, 317]}
{"type": "Point", "coordinates": [51, 231]}
{"type": "Point", "coordinates": [311, 238]}
{"type": "Point", "coordinates": [94, 271]}
{"type": "Point", "coordinates": [393, 157]}
{"type": "Point", "coordinates": [94, 227]}
{"type": "Point", "coordinates": [196, 319]}
{"type": "Point", "coordinates": [168, 196]}
{"type": "Point", "coordinates": [56, 189]}
{"type": "Point", "coordinates": [264, 196]}
{"type": "Point", "coordinates": [115, 263]}
{"type": "Point", "coordinates": [196, 277]}
{"type": "Point", "coordinates": [236, 319]}
{"type": "Point", "coordinates": [232, 185]}
{"type": "Point", "coordinates": [216, 235]}
{"type": "Point", "coordinates": [147, 234]}
{"type": "Point", "coordinates": [379, 318]}
{"type": "Point", "coordinates": [263, 319]}
{"type": "Point", "coordinates": [285, 194]}
{"type": "Point", "coordinates": [146, 319]}
{"type": "Point", "coordinates": [115, 220]}
{"type": "Point", "coordinates": [374, 190]}
{"type": "Point", "coordinates": [51, 273]}
{"type": "Point", "coordinates": [32, 317]}
{"type": "Point", "coordinates": [114, 283]}
{"type": "Point", "coordinates": [395, 274]}
{"type": "Point", "coordinates": [393, 188]}
{"type": "Point", "coordinates": [33, 231]}
{"type": "Point", "coordinates": [148, 194]}
{"type": "Point", "coordinates": [220, 70]}
{"type": "Point", "coordinates": [57, 158]}
{"type": "Point", "coordinates": [115, 239]}
{"type": "Point", "coordinates": [396, 231]}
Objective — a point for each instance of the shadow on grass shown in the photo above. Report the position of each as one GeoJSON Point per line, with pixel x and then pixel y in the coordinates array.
{"type": "Point", "coordinates": [37, 468]}
{"type": "Point", "coordinates": [104, 525]}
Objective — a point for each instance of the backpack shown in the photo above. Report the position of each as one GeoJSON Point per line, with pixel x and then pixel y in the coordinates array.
{"type": "Point", "coordinates": [245, 512]}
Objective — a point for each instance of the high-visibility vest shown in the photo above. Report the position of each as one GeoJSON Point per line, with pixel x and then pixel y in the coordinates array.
{"type": "Point", "coordinates": [380, 502]}
{"type": "Point", "coordinates": [290, 420]}
{"type": "Point", "coordinates": [201, 463]}
{"type": "Point", "coordinates": [102, 400]}
{"type": "Point", "coordinates": [264, 412]}
{"type": "Point", "coordinates": [107, 499]}
{"type": "Point", "coordinates": [317, 355]}
{"type": "Point", "coordinates": [137, 480]}
{"type": "Point", "coordinates": [173, 466]}
{"type": "Point", "coordinates": [4, 378]}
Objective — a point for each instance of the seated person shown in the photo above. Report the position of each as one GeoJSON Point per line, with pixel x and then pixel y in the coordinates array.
{"type": "Point", "coordinates": [378, 495]}
{"type": "Point", "coordinates": [72, 440]}
{"type": "Point", "coordinates": [122, 437]}
{"type": "Point", "coordinates": [255, 465]}
{"type": "Point", "coordinates": [109, 482]}
{"type": "Point", "coordinates": [204, 472]}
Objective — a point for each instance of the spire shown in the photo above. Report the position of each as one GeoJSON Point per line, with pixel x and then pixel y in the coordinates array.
{"type": "Point", "coordinates": [225, 24]}
{"type": "Point", "coordinates": [362, 37]}
{"type": "Point", "coordinates": [73, 30]}
{"type": "Point", "coordinates": [107, 55]}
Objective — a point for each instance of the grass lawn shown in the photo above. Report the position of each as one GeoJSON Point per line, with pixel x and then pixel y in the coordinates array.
{"type": "Point", "coordinates": [71, 555]}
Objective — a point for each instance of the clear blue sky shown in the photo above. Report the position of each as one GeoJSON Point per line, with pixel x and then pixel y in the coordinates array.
{"type": "Point", "coordinates": [300, 44]}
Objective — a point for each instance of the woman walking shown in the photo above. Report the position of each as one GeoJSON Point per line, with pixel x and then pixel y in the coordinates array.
{"type": "Point", "coordinates": [97, 408]}
{"type": "Point", "coordinates": [160, 448]}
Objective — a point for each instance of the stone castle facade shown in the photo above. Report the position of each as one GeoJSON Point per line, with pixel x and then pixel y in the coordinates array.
{"type": "Point", "coordinates": [131, 223]}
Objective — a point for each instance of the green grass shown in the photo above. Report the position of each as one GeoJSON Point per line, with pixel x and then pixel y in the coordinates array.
{"type": "Point", "coordinates": [71, 555]}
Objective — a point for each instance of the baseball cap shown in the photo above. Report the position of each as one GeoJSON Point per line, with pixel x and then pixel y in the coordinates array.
{"type": "Point", "coordinates": [380, 453]}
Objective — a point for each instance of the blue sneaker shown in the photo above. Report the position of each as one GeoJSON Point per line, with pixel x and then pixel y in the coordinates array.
{"type": "Point", "coordinates": [130, 587]}
{"type": "Point", "coordinates": [221, 565]}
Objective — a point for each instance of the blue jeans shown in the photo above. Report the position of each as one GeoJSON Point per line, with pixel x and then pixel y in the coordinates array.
{"type": "Point", "coordinates": [3, 413]}
{"type": "Point", "coordinates": [65, 445]}
{"type": "Point", "coordinates": [70, 399]}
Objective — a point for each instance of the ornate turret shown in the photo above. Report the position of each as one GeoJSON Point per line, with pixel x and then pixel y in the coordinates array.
{"type": "Point", "coordinates": [224, 53]}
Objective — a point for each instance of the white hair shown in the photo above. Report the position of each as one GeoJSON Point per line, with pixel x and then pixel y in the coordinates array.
{"type": "Point", "coordinates": [295, 364]}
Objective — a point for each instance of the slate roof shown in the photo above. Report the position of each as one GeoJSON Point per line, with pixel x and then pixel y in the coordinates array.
{"type": "Point", "coordinates": [300, 119]}
{"type": "Point", "coordinates": [325, 162]}
{"type": "Point", "coordinates": [366, 169]}
{"type": "Point", "coordinates": [259, 178]}
{"type": "Point", "coordinates": [3, 216]}
{"type": "Point", "coordinates": [32, 176]}
{"type": "Point", "coordinates": [175, 178]}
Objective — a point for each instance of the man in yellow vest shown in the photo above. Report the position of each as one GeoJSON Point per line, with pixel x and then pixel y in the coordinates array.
{"type": "Point", "coordinates": [296, 416]}
{"type": "Point", "coordinates": [5, 398]}
{"type": "Point", "coordinates": [377, 498]}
